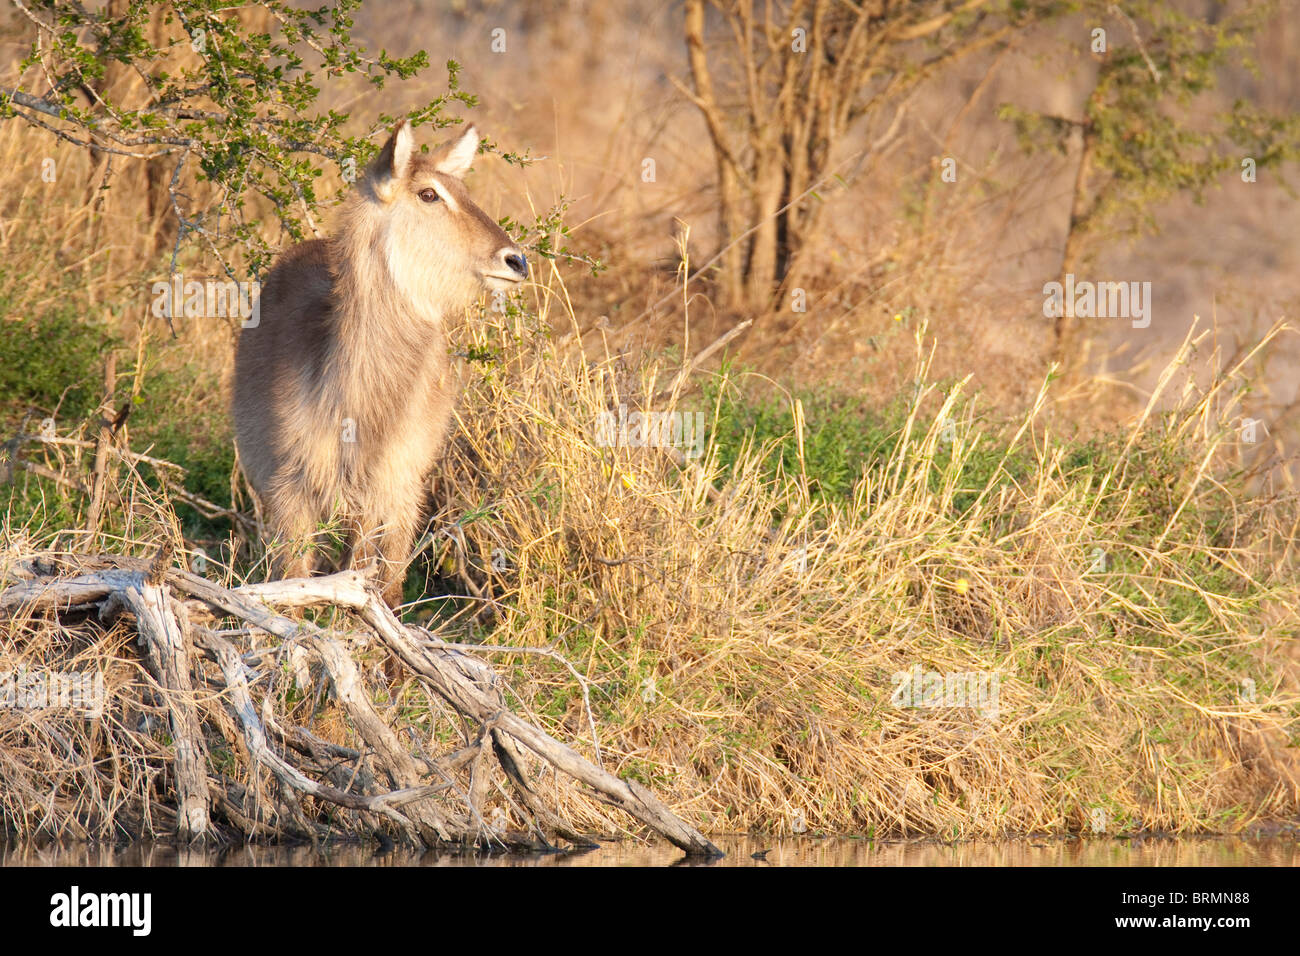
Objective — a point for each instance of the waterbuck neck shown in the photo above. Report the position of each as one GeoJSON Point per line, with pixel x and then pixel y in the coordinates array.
{"type": "Point", "coordinates": [385, 349]}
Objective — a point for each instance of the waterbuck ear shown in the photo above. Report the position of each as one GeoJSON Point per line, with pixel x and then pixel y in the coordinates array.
{"type": "Point", "coordinates": [391, 163]}
{"type": "Point", "coordinates": [456, 157]}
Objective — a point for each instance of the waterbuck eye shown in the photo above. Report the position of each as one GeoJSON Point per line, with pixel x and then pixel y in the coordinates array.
{"type": "Point", "coordinates": [429, 195]}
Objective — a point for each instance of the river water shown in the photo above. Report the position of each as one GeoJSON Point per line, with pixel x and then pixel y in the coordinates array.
{"type": "Point", "coordinates": [741, 850]}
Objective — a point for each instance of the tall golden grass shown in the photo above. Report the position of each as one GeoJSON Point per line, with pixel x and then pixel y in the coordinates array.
{"type": "Point", "coordinates": [740, 636]}
{"type": "Point", "coordinates": [731, 637]}
{"type": "Point", "coordinates": [732, 640]}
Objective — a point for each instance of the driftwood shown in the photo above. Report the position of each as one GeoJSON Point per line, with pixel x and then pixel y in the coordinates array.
{"type": "Point", "coordinates": [426, 800]}
{"type": "Point", "coordinates": [164, 630]}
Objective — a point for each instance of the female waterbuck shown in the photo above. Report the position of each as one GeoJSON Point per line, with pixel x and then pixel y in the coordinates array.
{"type": "Point", "coordinates": [343, 388]}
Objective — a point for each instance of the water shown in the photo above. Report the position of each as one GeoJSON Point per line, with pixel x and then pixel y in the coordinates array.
{"type": "Point", "coordinates": [1282, 850]}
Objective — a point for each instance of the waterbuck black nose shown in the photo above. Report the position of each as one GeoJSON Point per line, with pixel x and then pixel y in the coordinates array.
{"type": "Point", "coordinates": [517, 263]}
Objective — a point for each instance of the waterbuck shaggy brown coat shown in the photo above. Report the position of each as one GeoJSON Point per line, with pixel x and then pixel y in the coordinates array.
{"type": "Point", "coordinates": [343, 389]}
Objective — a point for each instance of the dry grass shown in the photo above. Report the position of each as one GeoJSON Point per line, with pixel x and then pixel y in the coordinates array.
{"type": "Point", "coordinates": [64, 774]}
{"type": "Point", "coordinates": [735, 632]}
{"type": "Point", "coordinates": [732, 636]}
{"type": "Point", "coordinates": [740, 634]}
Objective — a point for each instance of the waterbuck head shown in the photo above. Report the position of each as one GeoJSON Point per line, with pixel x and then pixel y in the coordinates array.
{"type": "Point", "coordinates": [441, 249]}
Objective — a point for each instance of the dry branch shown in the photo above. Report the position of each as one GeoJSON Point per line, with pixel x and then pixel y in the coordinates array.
{"type": "Point", "coordinates": [426, 800]}
{"type": "Point", "coordinates": [107, 434]}
{"type": "Point", "coordinates": [105, 446]}
{"type": "Point", "coordinates": [162, 625]}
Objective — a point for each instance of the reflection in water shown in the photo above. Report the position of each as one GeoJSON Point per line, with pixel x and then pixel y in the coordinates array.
{"type": "Point", "coordinates": [740, 849]}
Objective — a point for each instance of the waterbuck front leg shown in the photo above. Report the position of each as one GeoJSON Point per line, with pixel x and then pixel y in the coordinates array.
{"type": "Point", "coordinates": [290, 519]}
{"type": "Point", "coordinates": [386, 545]}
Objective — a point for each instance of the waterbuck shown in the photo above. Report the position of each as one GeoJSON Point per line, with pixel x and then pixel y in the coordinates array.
{"type": "Point", "coordinates": [343, 389]}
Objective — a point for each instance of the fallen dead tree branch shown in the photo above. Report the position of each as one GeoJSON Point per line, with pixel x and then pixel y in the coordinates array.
{"type": "Point", "coordinates": [163, 628]}
{"type": "Point", "coordinates": [289, 772]}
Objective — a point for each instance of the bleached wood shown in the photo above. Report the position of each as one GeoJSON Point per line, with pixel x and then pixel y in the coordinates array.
{"type": "Point", "coordinates": [467, 683]}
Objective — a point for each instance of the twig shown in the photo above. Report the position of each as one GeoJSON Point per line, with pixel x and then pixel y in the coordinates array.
{"type": "Point", "coordinates": [105, 436]}
{"type": "Point", "coordinates": [1137, 39]}
{"type": "Point", "coordinates": [209, 509]}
